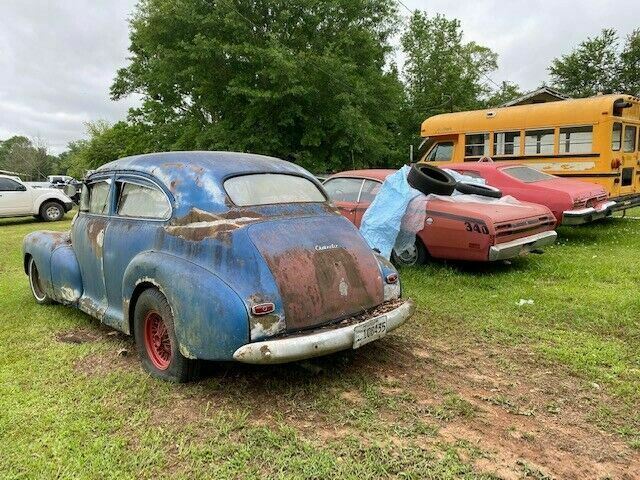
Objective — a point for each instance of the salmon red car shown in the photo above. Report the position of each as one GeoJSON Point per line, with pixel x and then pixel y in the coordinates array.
{"type": "Point", "coordinates": [453, 230]}
{"type": "Point", "coordinates": [572, 202]}
{"type": "Point", "coordinates": [216, 256]}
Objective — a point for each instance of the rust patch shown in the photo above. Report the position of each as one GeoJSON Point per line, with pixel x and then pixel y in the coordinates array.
{"type": "Point", "coordinates": [198, 224]}
{"type": "Point", "coordinates": [95, 233]}
{"type": "Point", "coordinates": [320, 286]}
{"type": "Point", "coordinates": [174, 185]}
{"type": "Point", "coordinates": [91, 308]}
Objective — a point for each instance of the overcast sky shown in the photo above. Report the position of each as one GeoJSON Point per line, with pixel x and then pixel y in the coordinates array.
{"type": "Point", "coordinates": [58, 58]}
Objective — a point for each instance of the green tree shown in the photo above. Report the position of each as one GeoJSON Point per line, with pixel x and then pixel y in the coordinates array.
{"type": "Point", "coordinates": [104, 144]}
{"type": "Point", "coordinates": [7, 145]}
{"type": "Point", "coordinates": [630, 59]}
{"type": "Point", "coordinates": [599, 65]}
{"type": "Point", "coordinates": [304, 80]}
{"type": "Point", "coordinates": [442, 73]}
{"type": "Point", "coordinates": [29, 158]}
{"type": "Point", "coordinates": [593, 67]}
{"type": "Point", "coordinates": [508, 91]}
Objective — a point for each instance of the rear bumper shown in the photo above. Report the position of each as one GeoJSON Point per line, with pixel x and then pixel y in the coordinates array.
{"type": "Point", "coordinates": [504, 251]}
{"type": "Point", "coordinates": [315, 343]}
{"type": "Point", "coordinates": [586, 215]}
{"type": "Point", "coordinates": [625, 202]}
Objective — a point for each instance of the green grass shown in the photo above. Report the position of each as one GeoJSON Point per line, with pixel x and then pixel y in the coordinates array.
{"type": "Point", "coordinates": [586, 310]}
{"type": "Point", "coordinates": [81, 411]}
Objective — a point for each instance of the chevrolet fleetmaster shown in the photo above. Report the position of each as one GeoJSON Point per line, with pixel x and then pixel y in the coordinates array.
{"type": "Point", "coordinates": [216, 256]}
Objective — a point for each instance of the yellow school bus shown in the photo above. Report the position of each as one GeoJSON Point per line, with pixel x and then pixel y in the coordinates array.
{"type": "Point", "coordinates": [593, 139]}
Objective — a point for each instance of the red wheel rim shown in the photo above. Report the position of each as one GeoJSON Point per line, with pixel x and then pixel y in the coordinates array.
{"type": "Point", "coordinates": [157, 340]}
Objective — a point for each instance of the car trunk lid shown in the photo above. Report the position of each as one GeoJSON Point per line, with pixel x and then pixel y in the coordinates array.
{"type": "Point", "coordinates": [323, 268]}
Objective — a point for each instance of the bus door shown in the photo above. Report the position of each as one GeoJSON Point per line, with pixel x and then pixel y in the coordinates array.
{"type": "Point", "coordinates": [625, 139]}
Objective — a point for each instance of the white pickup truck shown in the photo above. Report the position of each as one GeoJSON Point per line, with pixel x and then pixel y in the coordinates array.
{"type": "Point", "coordinates": [18, 199]}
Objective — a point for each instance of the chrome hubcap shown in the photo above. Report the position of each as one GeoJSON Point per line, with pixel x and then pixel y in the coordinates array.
{"type": "Point", "coordinates": [52, 212]}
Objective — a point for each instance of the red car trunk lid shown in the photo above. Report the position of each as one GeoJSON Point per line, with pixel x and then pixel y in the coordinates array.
{"type": "Point", "coordinates": [323, 268]}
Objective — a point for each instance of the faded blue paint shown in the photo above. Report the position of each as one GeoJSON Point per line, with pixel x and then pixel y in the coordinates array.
{"type": "Point", "coordinates": [203, 258]}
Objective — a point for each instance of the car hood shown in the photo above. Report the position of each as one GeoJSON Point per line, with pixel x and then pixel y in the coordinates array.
{"type": "Point", "coordinates": [490, 211]}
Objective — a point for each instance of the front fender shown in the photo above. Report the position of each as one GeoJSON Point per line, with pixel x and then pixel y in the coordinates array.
{"type": "Point", "coordinates": [211, 321]}
{"type": "Point", "coordinates": [57, 264]}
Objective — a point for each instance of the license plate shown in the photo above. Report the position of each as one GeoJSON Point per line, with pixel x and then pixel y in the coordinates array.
{"type": "Point", "coordinates": [369, 331]}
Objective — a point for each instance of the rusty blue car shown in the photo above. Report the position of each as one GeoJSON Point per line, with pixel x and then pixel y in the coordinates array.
{"type": "Point", "coordinates": [216, 256]}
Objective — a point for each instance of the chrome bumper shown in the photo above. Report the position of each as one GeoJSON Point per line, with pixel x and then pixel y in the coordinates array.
{"type": "Point", "coordinates": [503, 251]}
{"type": "Point", "coordinates": [586, 215]}
{"type": "Point", "coordinates": [315, 344]}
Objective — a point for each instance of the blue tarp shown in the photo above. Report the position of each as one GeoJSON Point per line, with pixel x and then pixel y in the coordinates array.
{"type": "Point", "coordinates": [398, 212]}
{"type": "Point", "coordinates": [381, 222]}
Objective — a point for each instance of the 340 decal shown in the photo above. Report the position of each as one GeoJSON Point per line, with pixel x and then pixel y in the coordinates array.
{"type": "Point", "coordinates": [476, 227]}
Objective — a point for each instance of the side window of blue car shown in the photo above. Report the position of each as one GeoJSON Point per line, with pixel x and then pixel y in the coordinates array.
{"type": "Point", "coordinates": [94, 197]}
{"type": "Point", "coordinates": [141, 200]}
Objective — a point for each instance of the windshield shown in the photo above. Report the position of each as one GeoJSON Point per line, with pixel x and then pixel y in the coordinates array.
{"type": "Point", "coordinates": [270, 188]}
{"type": "Point", "coordinates": [527, 174]}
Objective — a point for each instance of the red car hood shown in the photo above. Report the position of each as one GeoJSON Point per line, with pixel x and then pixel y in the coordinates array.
{"type": "Point", "coordinates": [493, 212]}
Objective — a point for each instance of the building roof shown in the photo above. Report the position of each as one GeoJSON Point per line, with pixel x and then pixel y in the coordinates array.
{"type": "Point", "coordinates": [541, 95]}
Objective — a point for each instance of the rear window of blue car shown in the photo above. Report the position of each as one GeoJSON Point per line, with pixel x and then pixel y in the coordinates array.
{"type": "Point", "coordinates": [271, 188]}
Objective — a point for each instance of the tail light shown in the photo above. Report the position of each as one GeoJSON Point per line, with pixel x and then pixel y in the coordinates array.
{"type": "Point", "coordinates": [392, 278]}
{"type": "Point", "coordinates": [262, 309]}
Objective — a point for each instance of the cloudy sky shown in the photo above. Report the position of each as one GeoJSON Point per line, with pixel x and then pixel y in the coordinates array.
{"type": "Point", "coordinates": [58, 58]}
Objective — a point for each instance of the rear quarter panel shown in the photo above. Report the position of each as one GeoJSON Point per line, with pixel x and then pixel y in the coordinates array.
{"type": "Point", "coordinates": [455, 237]}
{"type": "Point", "coordinates": [211, 320]}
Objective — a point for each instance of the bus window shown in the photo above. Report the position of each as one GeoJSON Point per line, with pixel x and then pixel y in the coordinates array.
{"type": "Point", "coordinates": [616, 139]}
{"type": "Point", "coordinates": [441, 152]}
{"type": "Point", "coordinates": [538, 142]}
{"type": "Point", "coordinates": [629, 144]}
{"type": "Point", "coordinates": [506, 143]}
{"type": "Point", "coordinates": [576, 139]}
{"type": "Point", "coordinates": [476, 145]}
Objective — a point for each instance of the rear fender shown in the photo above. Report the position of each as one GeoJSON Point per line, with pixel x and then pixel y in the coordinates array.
{"type": "Point", "coordinates": [57, 264]}
{"type": "Point", "coordinates": [211, 321]}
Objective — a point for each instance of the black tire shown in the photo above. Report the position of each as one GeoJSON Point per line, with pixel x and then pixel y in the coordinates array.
{"type": "Point", "coordinates": [36, 286]}
{"type": "Point", "coordinates": [180, 369]}
{"type": "Point", "coordinates": [51, 211]}
{"type": "Point", "coordinates": [474, 189]}
{"type": "Point", "coordinates": [418, 256]}
{"type": "Point", "coordinates": [430, 179]}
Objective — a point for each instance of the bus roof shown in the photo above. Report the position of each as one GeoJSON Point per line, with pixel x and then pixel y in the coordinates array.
{"type": "Point", "coordinates": [579, 111]}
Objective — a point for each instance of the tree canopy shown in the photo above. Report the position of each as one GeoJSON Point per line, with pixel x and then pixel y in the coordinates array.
{"type": "Point", "coordinates": [27, 157]}
{"type": "Point", "coordinates": [305, 80]}
{"type": "Point", "coordinates": [442, 72]}
{"type": "Point", "coordinates": [599, 65]}
{"type": "Point", "coordinates": [311, 82]}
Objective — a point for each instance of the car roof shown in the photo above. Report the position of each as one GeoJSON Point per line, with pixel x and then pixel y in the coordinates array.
{"type": "Point", "coordinates": [372, 173]}
{"type": "Point", "coordinates": [195, 178]}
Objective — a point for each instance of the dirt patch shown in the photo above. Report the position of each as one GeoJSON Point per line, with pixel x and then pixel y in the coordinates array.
{"type": "Point", "coordinates": [88, 335]}
{"type": "Point", "coordinates": [78, 336]}
{"type": "Point", "coordinates": [530, 418]}
{"type": "Point", "coordinates": [104, 363]}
